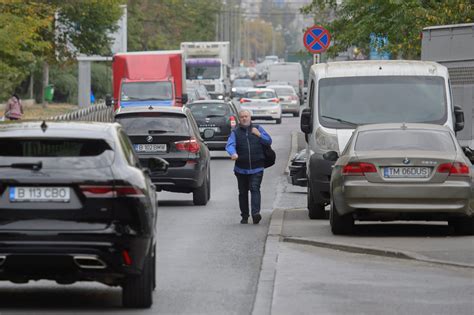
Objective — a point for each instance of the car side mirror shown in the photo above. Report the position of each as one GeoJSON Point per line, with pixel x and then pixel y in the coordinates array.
{"type": "Point", "coordinates": [458, 118]}
{"type": "Point", "coordinates": [208, 134]}
{"type": "Point", "coordinates": [183, 99]}
{"type": "Point", "coordinates": [331, 156]}
{"type": "Point", "coordinates": [108, 100]}
{"type": "Point", "coordinates": [157, 164]}
{"type": "Point", "coordinates": [306, 124]}
{"type": "Point", "coordinates": [469, 153]}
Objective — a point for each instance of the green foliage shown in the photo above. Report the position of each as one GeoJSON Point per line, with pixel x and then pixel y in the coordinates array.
{"type": "Point", "coordinates": [101, 79]}
{"type": "Point", "coordinates": [65, 83]}
{"type": "Point", "coordinates": [161, 25]}
{"type": "Point", "coordinates": [27, 34]}
{"type": "Point", "coordinates": [400, 20]}
{"type": "Point", "coordinates": [21, 25]}
{"type": "Point", "coordinates": [87, 25]}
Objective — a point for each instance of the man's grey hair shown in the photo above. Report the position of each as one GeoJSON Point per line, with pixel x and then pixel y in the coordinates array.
{"type": "Point", "coordinates": [245, 111]}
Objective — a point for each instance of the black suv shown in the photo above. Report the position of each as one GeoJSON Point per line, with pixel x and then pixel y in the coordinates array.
{"type": "Point", "coordinates": [171, 133]}
{"type": "Point", "coordinates": [219, 116]}
{"type": "Point", "coordinates": [77, 206]}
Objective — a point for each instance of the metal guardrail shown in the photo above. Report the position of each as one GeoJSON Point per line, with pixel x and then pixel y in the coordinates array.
{"type": "Point", "coordinates": [99, 112]}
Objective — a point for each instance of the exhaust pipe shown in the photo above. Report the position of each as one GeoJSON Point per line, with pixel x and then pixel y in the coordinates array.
{"type": "Point", "coordinates": [89, 262]}
{"type": "Point", "coordinates": [3, 258]}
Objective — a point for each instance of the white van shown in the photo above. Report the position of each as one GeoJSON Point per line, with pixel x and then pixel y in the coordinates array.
{"type": "Point", "coordinates": [291, 72]}
{"type": "Point", "coordinates": [343, 95]}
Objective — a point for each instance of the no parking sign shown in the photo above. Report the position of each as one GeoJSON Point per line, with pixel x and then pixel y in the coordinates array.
{"type": "Point", "coordinates": [316, 39]}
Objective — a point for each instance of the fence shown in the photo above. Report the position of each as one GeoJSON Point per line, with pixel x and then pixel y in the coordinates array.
{"type": "Point", "coordinates": [99, 112]}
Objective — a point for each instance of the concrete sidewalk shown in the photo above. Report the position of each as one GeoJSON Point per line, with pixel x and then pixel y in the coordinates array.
{"type": "Point", "coordinates": [429, 242]}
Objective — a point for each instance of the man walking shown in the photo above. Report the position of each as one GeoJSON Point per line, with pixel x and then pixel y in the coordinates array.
{"type": "Point", "coordinates": [245, 148]}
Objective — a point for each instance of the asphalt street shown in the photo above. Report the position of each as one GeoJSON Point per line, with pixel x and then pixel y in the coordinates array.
{"type": "Point", "coordinates": [207, 262]}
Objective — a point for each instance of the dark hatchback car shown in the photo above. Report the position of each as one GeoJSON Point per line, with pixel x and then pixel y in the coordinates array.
{"type": "Point", "coordinates": [219, 116]}
{"type": "Point", "coordinates": [77, 206]}
{"type": "Point", "coordinates": [172, 134]}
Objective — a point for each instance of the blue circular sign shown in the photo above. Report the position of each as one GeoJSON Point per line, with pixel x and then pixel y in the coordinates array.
{"type": "Point", "coordinates": [316, 39]}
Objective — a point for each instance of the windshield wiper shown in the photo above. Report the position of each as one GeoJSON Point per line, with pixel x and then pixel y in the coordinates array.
{"type": "Point", "coordinates": [214, 115]}
{"type": "Point", "coordinates": [34, 166]}
{"type": "Point", "coordinates": [154, 99]}
{"type": "Point", "coordinates": [341, 120]}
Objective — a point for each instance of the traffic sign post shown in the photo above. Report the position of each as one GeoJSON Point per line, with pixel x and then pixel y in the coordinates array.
{"type": "Point", "coordinates": [316, 39]}
{"type": "Point", "coordinates": [316, 58]}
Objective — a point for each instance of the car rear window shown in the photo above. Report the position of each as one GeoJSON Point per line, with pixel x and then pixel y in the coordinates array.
{"type": "Point", "coordinates": [153, 123]}
{"type": "Point", "coordinates": [283, 91]}
{"type": "Point", "coordinates": [424, 140]}
{"type": "Point", "coordinates": [260, 94]}
{"type": "Point", "coordinates": [209, 110]}
{"type": "Point", "coordinates": [21, 147]}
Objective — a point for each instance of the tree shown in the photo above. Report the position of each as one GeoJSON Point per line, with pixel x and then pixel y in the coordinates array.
{"type": "Point", "coordinates": [401, 21]}
{"type": "Point", "coordinates": [28, 34]}
{"type": "Point", "coordinates": [21, 27]}
{"type": "Point", "coordinates": [158, 25]}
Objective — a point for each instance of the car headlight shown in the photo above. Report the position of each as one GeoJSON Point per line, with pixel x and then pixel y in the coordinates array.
{"type": "Point", "coordinates": [326, 141]}
{"type": "Point", "coordinates": [274, 112]}
{"type": "Point", "coordinates": [234, 89]}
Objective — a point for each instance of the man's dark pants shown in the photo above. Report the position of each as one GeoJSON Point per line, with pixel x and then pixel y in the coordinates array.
{"type": "Point", "coordinates": [249, 182]}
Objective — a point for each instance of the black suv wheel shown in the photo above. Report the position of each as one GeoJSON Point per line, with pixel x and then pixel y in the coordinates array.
{"type": "Point", "coordinates": [137, 291]}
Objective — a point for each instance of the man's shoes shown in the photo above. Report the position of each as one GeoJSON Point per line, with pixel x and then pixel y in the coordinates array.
{"type": "Point", "coordinates": [256, 218]}
{"type": "Point", "coordinates": [244, 221]}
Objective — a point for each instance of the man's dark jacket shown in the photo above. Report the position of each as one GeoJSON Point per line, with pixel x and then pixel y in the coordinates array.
{"type": "Point", "coordinates": [249, 148]}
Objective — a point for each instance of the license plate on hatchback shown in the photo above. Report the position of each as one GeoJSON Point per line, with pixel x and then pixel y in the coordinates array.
{"type": "Point", "coordinates": [40, 194]}
{"type": "Point", "coordinates": [149, 148]}
{"type": "Point", "coordinates": [406, 172]}
{"type": "Point", "coordinates": [216, 129]}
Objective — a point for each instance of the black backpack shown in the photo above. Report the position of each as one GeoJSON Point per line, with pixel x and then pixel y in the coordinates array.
{"type": "Point", "coordinates": [270, 155]}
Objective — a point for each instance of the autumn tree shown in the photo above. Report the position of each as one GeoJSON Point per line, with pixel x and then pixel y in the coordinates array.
{"type": "Point", "coordinates": [28, 34]}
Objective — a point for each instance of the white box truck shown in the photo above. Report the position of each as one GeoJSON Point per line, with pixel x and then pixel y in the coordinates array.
{"type": "Point", "coordinates": [453, 47]}
{"type": "Point", "coordinates": [208, 63]}
{"type": "Point", "coordinates": [291, 72]}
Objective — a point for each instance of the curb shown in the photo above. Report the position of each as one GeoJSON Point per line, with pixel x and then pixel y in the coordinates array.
{"type": "Point", "coordinates": [384, 252]}
{"type": "Point", "coordinates": [266, 280]}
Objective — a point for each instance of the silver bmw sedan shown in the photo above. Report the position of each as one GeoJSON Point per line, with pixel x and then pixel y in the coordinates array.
{"type": "Point", "coordinates": [401, 172]}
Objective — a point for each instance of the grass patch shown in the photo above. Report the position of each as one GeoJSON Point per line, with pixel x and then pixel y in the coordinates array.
{"type": "Point", "coordinates": [39, 112]}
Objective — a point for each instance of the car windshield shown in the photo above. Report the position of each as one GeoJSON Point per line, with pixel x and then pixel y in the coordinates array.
{"type": "Point", "coordinates": [203, 71]}
{"type": "Point", "coordinates": [243, 83]}
{"type": "Point", "coordinates": [139, 124]}
{"type": "Point", "coordinates": [382, 99]}
{"type": "Point", "coordinates": [209, 110]}
{"type": "Point", "coordinates": [283, 91]}
{"type": "Point", "coordinates": [260, 94]}
{"type": "Point", "coordinates": [399, 139]}
{"type": "Point", "coordinates": [132, 91]}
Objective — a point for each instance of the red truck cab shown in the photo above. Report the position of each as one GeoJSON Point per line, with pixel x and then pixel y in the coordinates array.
{"type": "Point", "coordinates": [148, 78]}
